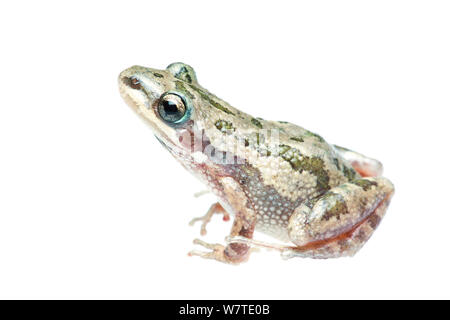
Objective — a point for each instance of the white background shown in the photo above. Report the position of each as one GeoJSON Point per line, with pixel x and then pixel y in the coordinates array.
{"type": "Point", "coordinates": [91, 206]}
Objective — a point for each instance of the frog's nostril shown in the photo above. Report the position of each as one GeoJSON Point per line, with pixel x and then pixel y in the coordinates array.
{"type": "Point", "coordinates": [132, 82]}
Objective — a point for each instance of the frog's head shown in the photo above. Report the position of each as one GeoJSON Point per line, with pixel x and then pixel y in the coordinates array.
{"type": "Point", "coordinates": [187, 119]}
{"type": "Point", "coordinates": [163, 99]}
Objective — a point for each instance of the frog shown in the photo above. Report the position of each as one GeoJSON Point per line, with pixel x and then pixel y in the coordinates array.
{"type": "Point", "coordinates": [314, 199]}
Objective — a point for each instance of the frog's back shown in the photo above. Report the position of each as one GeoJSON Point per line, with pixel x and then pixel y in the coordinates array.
{"type": "Point", "coordinates": [294, 168]}
{"type": "Point", "coordinates": [310, 165]}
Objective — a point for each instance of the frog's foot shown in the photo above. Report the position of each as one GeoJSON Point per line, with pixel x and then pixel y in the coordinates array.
{"type": "Point", "coordinates": [215, 208]}
{"type": "Point", "coordinates": [232, 254]}
{"type": "Point", "coordinates": [201, 193]}
{"type": "Point", "coordinates": [365, 166]}
{"type": "Point", "coordinates": [216, 253]}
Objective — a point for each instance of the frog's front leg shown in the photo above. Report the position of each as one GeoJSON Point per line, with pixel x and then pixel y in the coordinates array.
{"type": "Point", "coordinates": [365, 166]}
{"type": "Point", "coordinates": [243, 226]}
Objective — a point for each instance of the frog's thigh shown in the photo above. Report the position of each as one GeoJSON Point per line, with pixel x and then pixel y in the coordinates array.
{"type": "Point", "coordinates": [365, 166]}
{"type": "Point", "coordinates": [341, 221]}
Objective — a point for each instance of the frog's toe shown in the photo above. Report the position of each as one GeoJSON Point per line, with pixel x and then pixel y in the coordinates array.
{"type": "Point", "coordinates": [205, 219]}
{"type": "Point", "coordinates": [365, 166]}
{"type": "Point", "coordinates": [220, 253]}
{"type": "Point", "coordinates": [216, 253]}
{"type": "Point", "coordinates": [201, 193]}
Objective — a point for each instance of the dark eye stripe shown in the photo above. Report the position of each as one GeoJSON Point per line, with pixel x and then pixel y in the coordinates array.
{"type": "Point", "coordinates": [133, 83]}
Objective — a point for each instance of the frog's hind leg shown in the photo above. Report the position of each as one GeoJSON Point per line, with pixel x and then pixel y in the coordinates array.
{"type": "Point", "coordinates": [365, 166]}
{"type": "Point", "coordinates": [214, 209]}
{"type": "Point", "coordinates": [337, 224]}
{"type": "Point", "coordinates": [341, 221]}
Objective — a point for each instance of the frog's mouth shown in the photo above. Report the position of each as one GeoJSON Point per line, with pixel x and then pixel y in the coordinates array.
{"type": "Point", "coordinates": [163, 144]}
{"type": "Point", "coordinates": [174, 150]}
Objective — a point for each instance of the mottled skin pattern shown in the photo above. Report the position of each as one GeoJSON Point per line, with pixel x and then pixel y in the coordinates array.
{"type": "Point", "coordinates": [273, 176]}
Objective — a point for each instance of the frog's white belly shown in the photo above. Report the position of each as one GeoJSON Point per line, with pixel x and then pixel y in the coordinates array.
{"type": "Point", "coordinates": [273, 230]}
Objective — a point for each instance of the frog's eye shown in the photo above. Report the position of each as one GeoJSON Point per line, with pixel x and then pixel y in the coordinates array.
{"type": "Point", "coordinates": [172, 108]}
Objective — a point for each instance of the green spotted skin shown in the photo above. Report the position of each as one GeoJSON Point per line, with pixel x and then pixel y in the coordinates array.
{"type": "Point", "coordinates": [280, 178]}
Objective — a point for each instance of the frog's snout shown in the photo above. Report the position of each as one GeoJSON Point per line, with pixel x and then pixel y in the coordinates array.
{"type": "Point", "coordinates": [128, 79]}
{"type": "Point", "coordinates": [131, 82]}
{"type": "Point", "coordinates": [130, 87]}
